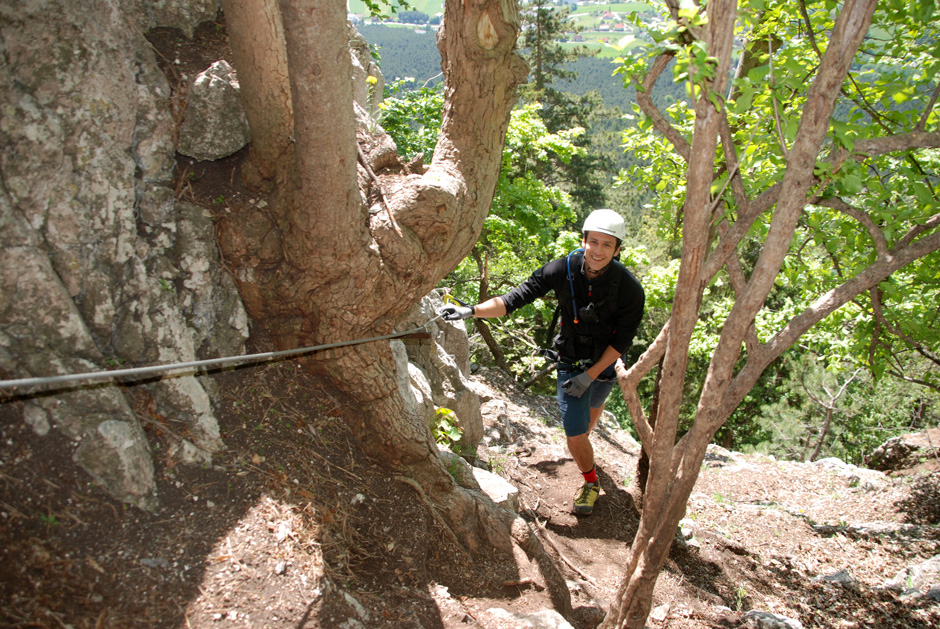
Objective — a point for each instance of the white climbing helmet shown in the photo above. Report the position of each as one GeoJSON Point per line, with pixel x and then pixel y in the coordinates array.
{"type": "Point", "coordinates": [606, 222]}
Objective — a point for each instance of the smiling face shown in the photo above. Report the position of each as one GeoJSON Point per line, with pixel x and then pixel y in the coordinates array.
{"type": "Point", "coordinates": [599, 250]}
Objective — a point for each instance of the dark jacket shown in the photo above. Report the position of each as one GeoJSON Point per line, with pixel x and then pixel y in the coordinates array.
{"type": "Point", "coordinates": [617, 322]}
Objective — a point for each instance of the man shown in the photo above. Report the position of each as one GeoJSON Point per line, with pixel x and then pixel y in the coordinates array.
{"type": "Point", "coordinates": [601, 304]}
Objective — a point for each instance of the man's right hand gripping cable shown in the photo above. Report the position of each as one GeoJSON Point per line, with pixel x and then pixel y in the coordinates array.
{"type": "Point", "coordinates": [456, 313]}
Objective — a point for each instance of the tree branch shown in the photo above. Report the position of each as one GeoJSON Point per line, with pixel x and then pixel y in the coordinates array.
{"type": "Point", "coordinates": [713, 408]}
{"type": "Point", "coordinates": [773, 97]}
{"type": "Point", "coordinates": [728, 242]}
{"type": "Point", "coordinates": [809, 29]}
{"type": "Point", "coordinates": [901, 376]}
{"type": "Point", "coordinates": [922, 123]}
{"type": "Point", "coordinates": [872, 147]}
{"type": "Point", "coordinates": [878, 312]}
{"type": "Point", "coordinates": [738, 282]}
{"type": "Point", "coordinates": [917, 230]}
{"type": "Point", "coordinates": [644, 89]}
{"type": "Point", "coordinates": [732, 164]}
{"type": "Point", "coordinates": [878, 238]}
{"type": "Point", "coordinates": [824, 306]}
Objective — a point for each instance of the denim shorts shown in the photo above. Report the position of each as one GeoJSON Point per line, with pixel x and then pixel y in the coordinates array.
{"type": "Point", "coordinates": [576, 412]}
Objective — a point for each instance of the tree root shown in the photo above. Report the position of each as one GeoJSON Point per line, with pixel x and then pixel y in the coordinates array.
{"type": "Point", "coordinates": [437, 516]}
{"type": "Point", "coordinates": [528, 541]}
{"type": "Point", "coordinates": [521, 534]}
{"type": "Point", "coordinates": [548, 540]}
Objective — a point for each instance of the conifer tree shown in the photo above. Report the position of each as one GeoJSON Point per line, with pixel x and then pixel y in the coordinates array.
{"type": "Point", "coordinates": [545, 27]}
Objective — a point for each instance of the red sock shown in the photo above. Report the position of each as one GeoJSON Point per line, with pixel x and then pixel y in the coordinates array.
{"type": "Point", "coordinates": [590, 477]}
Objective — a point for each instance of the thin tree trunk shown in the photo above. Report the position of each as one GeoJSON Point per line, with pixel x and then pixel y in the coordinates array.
{"type": "Point", "coordinates": [643, 463]}
{"type": "Point", "coordinates": [481, 326]}
{"type": "Point", "coordinates": [809, 440]}
{"type": "Point", "coordinates": [538, 376]}
{"type": "Point", "coordinates": [674, 467]}
{"type": "Point", "coordinates": [822, 434]}
{"type": "Point", "coordinates": [257, 40]}
{"type": "Point", "coordinates": [498, 356]}
{"type": "Point", "coordinates": [665, 497]}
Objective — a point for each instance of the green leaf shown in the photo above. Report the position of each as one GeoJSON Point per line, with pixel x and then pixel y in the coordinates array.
{"type": "Point", "coordinates": [715, 99]}
{"type": "Point", "coordinates": [756, 75]}
{"type": "Point", "coordinates": [851, 184]}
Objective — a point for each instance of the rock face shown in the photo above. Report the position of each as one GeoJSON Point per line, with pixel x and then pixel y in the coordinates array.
{"type": "Point", "coordinates": [435, 374]}
{"type": "Point", "coordinates": [99, 263]}
{"type": "Point", "coordinates": [905, 451]}
{"type": "Point", "coordinates": [185, 15]}
{"type": "Point", "coordinates": [368, 82]}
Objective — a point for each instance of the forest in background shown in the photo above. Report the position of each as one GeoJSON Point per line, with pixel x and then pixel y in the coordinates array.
{"type": "Point", "coordinates": [824, 397]}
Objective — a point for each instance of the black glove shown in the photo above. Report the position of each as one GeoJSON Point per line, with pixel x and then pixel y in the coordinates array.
{"type": "Point", "coordinates": [455, 313]}
{"type": "Point", "coordinates": [578, 385]}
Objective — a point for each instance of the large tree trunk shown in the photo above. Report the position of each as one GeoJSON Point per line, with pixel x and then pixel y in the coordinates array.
{"type": "Point", "coordinates": [319, 267]}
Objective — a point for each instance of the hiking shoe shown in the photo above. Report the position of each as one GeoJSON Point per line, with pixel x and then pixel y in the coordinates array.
{"type": "Point", "coordinates": [587, 495]}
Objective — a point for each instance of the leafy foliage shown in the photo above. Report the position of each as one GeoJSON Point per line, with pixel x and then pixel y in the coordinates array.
{"type": "Point", "coordinates": [384, 8]}
{"type": "Point", "coordinates": [445, 429]}
{"type": "Point", "coordinates": [891, 331]}
{"type": "Point", "coordinates": [526, 228]}
{"type": "Point", "coordinates": [412, 118]}
{"type": "Point", "coordinates": [856, 202]}
{"type": "Point", "coordinates": [864, 414]}
{"type": "Point", "coordinates": [540, 42]}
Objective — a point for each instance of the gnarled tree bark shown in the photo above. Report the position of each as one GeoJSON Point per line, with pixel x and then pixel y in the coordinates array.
{"type": "Point", "coordinates": [319, 267]}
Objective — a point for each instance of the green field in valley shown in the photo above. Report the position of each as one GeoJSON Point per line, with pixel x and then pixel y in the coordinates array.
{"type": "Point", "coordinates": [585, 12]}
{"type": "Point", "coordinates": [431, 7]}
{"type": "Point", "coordinates": [611, 36]}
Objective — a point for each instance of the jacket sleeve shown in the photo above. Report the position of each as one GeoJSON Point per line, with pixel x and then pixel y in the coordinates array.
{"type": "Point", "coordinates": [537, 285]}
{"type": "Point", "coordinates": [627, 319]}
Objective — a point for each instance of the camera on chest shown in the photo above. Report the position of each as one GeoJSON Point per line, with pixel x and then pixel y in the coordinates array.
{"type": "Point", "coordinates": [588, 314]}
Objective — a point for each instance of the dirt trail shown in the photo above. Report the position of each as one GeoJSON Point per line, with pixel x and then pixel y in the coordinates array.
{"type": "Point", "coordinates": [291, 527]}
{"type": "Point", "coordinates": [760, 534]}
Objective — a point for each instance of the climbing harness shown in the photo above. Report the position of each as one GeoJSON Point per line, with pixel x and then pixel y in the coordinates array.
{"type": "Point", "coordinates": [589, 315]}
{"type": "Point", "coordinates": [574, 301]}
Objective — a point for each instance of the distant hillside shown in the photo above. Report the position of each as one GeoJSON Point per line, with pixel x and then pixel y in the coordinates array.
{"type": "Point", "coordinates": [604, 26]}
{"type": "Point", "coordinates": [596, 74]}
{"type": "Point", "coordinates": [406, 53]}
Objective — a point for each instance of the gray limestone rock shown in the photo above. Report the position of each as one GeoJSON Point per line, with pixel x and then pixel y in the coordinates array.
{"type": "Point", "coordinates": [769, 620]}
{"type": "Point", "coordinates": [368, 81]}
{"type": "Point", "coordinates": [905, 451]}
{"type": "Point", "coordinates": [545, 619]}
{"type": "Point", "coordinates": [117, 456]}
{"type": "Point", "coordinates": [500, 491]}
{"type": "Point", "coordinates": [924, 574]}
{"type": "Point", "coordinates": [445, 362]}
{"type": "Point", "coordinates": [99, 264]}
{"type": "Point", "coordinates": [214, 125]}
{"type": "Point", "coordinates": [185, 15]}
